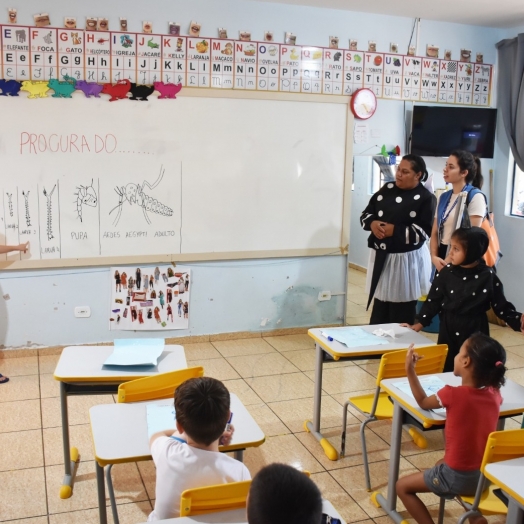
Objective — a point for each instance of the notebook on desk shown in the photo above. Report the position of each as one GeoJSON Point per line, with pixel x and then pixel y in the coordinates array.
{"type": "Point", "coordinates": [136, 352]}
{"type": "Point", "coordinates": [430, 384]}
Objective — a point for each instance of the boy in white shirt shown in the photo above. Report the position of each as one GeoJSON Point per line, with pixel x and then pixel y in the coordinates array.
{"type": "Point", "coordinates": [189, 457]}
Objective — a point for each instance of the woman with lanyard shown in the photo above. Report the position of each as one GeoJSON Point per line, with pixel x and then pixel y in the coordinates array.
{"type": "Point", "coordinates": [463, 172]}
{"type": "Point", "coordinates": [399, 217]}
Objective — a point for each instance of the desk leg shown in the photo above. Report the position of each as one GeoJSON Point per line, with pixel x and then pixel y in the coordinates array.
{"type": "Point", "coordinates": [239, 455]}
{"type": "Point", "coordinates": [70, 455]}
{"type": "Point", "coordinates": [515, 513]}
{"type": "Point", "coordinates": [390, 505]}
{"type": "Point", "coordinates": [314, 427]}
{"type": "Point", "coordinates": [101, 488]}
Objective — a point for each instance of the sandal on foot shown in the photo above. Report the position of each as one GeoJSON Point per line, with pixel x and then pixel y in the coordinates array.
{"type": "Point", "coordinates": [3, 380]}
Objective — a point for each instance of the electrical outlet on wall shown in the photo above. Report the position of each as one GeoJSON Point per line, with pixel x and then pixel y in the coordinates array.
{"type": "Point", "coordinates": [82, 311]}
{"type": "Point", "coordinates": [324, 295]}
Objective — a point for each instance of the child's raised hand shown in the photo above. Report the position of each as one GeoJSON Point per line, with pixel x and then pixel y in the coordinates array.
{"type": "Point", "coordinates": [412, 358]}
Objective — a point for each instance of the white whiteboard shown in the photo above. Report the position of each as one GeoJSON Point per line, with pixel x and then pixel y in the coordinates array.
{"type": "Point", "coordinates": [192, 178]}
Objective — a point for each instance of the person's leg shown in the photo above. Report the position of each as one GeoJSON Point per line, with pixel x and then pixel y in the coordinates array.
{"type": "Point", "coordinates": [3, 379]}
{"type": "Point", "coordinates": [403, 312]}
{"type": "Point", "coordinates": [380, 312]}
{"type": "Point", "coordinates": [407, 489]}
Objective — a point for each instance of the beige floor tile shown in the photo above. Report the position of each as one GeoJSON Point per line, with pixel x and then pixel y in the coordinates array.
{"type": "Point", "coordinates": [20, 388]}
{"type": "Point", "coordinates": [49, 387]}
{"type": "Point", "coordinates": [352, 480]}
{"type": "Point", "coordinates": [21, 450]}
{"type": "Point", "coordinates": [200, 350]}
{"type": "Point", "coordinates": [517, 350]}
{"type": "Point", "coordinates": [34, 520]}
{"type": "Point", "coordinates": [47, 363]}
{"type": "Point", "coordinates": [294, 413]}
{"type": "Point", "coordinates": [303, 359]}
{"type": "Point", "coordinates": [80, 437]}
{"type": "Point", "coordinates": [282, 387]}
{"type": "Point", "coordinates": [357, 278]}
{"type": "Point", "coordinates": [12, 420]}
{"type": "Point", "coordinates": [354, 288]}
{"type": "Point", "coordinates": [218, 368]}
{"type": "Point", "coordinates": [342, 502]}
{"type": "Point", "coordinates": [15, 367]}
{"type": "Point", "coordinates": [377, 449]}
{"type": "Point", "coordinates": [243, 346]}
{"type": "Point", "coordinates": [260, 365]}
{"type": "Point", "coordinates": [127, 514]}
{"type": "Point", "coordinates": [426, 460]}
{"type": "Point", "coordinates": [359, 297]}
{"type": "Point", "coordinates": [513, 360]}
{"type": "Point", "coordinates": [23, 494]}
{"type": "Point", "coordinates": [517, 375]}
{"type": "Point", "coordinates": [240, 388]}
{"type": "Point", "coordinates": [78, 409]}
{"type": "Point", "coordinates": [508, 337]}
{"type": "Point", "coordinates": [355, 310]}
{"type": "Point", "coordinates": [344, 379]}
{"type": "Point", "coordinates": [148, 474]}
{"type": "Point", "coordinates": [358, 321]}
{"type": "Point", "coordinates": [286, 449]}
{"type": "Point", "coordinates": [370, 366]}
{"type": "Point", "coordinates": [270, 424]}
{"type": "Point", "coordinates": [291, 342]}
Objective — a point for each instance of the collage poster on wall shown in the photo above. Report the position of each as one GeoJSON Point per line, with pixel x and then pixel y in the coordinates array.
{"type": "Point", "coordinates": [150, 298]}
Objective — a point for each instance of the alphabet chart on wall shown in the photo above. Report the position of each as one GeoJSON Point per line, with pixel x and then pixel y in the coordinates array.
{"type": "Point", "coordinates": [109, 56]}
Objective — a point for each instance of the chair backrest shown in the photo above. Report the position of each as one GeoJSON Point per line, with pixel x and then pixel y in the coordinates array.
{"type": "Point", "coordinates": [503, 445]}
{"type": "Point", "coordinates": [393, 363]}
{"type": "Point", "coordinates": [156, 387]}
{"type": "Point", "coordinates": [210, 499]}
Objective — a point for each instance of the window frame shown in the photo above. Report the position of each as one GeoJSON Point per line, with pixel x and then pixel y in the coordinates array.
{"type": "Point", "coordinates": [515, 186]}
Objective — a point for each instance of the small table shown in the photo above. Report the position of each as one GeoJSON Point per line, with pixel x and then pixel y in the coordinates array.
{"type": "Point", "coordinates": [513, 404]}
{"type": "Point", "coordinates": [236, 516]}
{"type": "Point", "coordinates": [404, 338]}
{"type": "Point", "coordinates": [120, 435]}
{"type": "Point", "coordinates": [81, 371]}
{"type": "Point", "coordinates": [508, 475]}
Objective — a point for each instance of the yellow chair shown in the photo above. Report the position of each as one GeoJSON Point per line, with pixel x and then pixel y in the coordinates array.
{"type": "Point", "coordinates": [501, 445]}
{"type": "Point", "coordinates": [211, 499]}
{"type": "Point", "coordinates": [377, 406]}
{"type": "Point", "coordinates": [156, 387]}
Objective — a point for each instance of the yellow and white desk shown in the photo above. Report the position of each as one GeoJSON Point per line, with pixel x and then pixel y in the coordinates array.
{"type": "Point", "coordinates": [120, 435]}
{"type": "Point", "coordinates": [237, 516]}
{"type": "Point", "coordinates": [81, 371]}
{"type": "Point", "coordinates": [404, 337]}
{"type": "Point", "coordinates": [513, 404]}
{"type": "Point", "coordinates": [509, 476]}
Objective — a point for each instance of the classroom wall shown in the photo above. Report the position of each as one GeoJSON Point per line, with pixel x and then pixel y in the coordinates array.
{"type": "Point", "coordinates": [227, 296]}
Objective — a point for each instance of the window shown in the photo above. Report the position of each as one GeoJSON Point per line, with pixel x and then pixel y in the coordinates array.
{"type": "Point", "coordinates": [517, 201]}
{"type": "Point", "coordinates": [383, 172]}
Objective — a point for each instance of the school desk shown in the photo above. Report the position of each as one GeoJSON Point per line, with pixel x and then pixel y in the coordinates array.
{"type": "Point", "coordinates": [508, 475]}
{"type": "Point", "coordinates": [120, 435]}
{"type": "Point", "coordinates": [81, 371]}
{"type": "Point", "coordinates": [512, 404]}
{"type": "Point", "coordinates": [236, 516]}
{"type": "Point", "coordinates": [339, 351]}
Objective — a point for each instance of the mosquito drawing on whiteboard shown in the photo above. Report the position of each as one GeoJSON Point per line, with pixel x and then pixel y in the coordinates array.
{"type": "Point", "coordinates": [134, 194]}
{"type": "Point", "coordinates": [85, 196]}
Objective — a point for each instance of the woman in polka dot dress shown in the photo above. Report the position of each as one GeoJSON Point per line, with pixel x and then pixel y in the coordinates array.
{"type": "Point", "coordinates": [463, 291]}
{"type": "Point", "coordinates": [399, 216]}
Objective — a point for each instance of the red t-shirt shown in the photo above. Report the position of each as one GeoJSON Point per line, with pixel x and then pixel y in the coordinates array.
{"type": "Point", "coordinates": [471, 415]}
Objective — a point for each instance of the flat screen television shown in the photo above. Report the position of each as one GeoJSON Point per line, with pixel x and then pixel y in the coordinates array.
{"type": "Point", "coordinates": [437, 130]}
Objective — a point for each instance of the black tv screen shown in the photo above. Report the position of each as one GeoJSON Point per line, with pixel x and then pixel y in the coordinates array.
{"type": "Point", "coordinates": [439, 130]}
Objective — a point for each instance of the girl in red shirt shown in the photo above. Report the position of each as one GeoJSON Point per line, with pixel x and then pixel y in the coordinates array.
{"type": "Point", "coordinates": [472, 413]}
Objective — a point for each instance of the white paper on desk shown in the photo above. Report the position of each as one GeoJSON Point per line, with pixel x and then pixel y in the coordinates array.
{"type": "Point", "coordinates": [136, 352]}
{"type": "Point", "coordinates": [430, 384]}
{"type": "Point", "coordinates": [384, 332]}
{"type": "Point", "coordinates": [353, 337]}
{"type": "Point", "coordinates": [160, 417]}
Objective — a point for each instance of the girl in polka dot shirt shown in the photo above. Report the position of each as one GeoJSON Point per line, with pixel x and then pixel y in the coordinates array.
{"type": "Point", "coordinates": [462, 293]}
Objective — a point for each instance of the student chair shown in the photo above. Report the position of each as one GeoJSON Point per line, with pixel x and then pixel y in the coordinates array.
{"type": "Point", "coordinates": [377, 406]}
{"type": "Point", "coordinates": [155, 387]}
{"type": "Point", "coordinates": [212, 499]}
{"type": "Point", "coordinates": [501, 445]}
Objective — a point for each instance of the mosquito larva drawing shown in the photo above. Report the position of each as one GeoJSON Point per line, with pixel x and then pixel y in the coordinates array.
{"type": "Point", "coordinates": [134, 194]}
{"type": "Point", "coordinates": [85, 195]}
{"type": "Point", "coordinates": [49, 231]}
{"type": "Point", "coordinates": [25, 194]}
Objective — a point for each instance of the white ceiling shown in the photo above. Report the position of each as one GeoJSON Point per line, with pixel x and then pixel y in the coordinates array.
{"type": "Point", "coordinates": [490, 13]}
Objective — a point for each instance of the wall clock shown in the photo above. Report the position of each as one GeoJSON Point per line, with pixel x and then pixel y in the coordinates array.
{"type": "Point", "coordinates": [363, 103]}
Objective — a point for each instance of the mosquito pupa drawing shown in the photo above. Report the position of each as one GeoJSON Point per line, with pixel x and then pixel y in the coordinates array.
{"type": "Point", "coordinates": [49, 196]}
{"type": "Point", "coordinates": [85, 195]}
{"type": "Point", "coordinates": [134, 194]}
{"type": "Point", "coordinates": [25, 194]}
{"type": "Point", "coordinates": [10, 204]}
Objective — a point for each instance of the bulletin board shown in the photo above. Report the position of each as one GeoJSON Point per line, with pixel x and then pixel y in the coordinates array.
{"type": "Point", "coordinates": [211, 175]}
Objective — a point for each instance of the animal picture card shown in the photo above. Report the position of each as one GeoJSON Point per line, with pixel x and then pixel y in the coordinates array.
{"type": "Point", "coordinates": [150, 298]}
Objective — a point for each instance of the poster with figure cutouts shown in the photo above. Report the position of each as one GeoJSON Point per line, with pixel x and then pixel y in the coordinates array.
{"type": "Point", "coordinates": [150, 298]}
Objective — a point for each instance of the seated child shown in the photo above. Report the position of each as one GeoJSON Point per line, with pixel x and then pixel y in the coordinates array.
{"type": "Point", "coordinates": [462, 293]}
{"type": "Point", "coordinates": [280, 494]}
{"type": "Point", "coordinates": [472, 413]}
{"type": "Point", "coordinates": [189, 457]}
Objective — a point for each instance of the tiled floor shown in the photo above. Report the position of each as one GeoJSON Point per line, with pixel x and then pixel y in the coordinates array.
{"type": "Point", "coordinates": [273, 376]}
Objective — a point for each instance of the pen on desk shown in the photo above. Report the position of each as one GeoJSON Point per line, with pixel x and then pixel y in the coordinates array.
{"type": "Point", "coordinates": [228, 425]}
{"type": "Point", "coordinates": [327, 336]}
